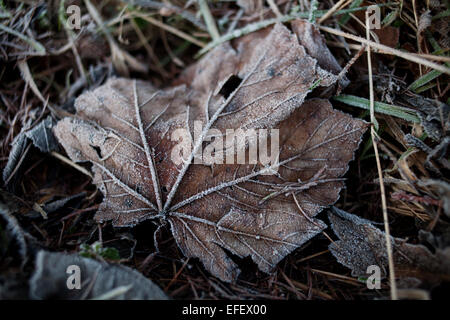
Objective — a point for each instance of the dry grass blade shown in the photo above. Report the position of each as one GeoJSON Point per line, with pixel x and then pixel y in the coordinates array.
{"type": "Point", "coordinates": [170, 29]}
{"type": "Point", "coordinates": [120, 58]}
{"type": "Point", "coordinates": [394, 294]}
{"type": "Point", "coordinates": [40, 49]}
{"type": "Point", "coordinates": [274, 8]}
{"type": "Point", "coordinates": [71, 163]}
{"type": "Point", "coordinates": [28, 78]}
{"type": "Point", "coordinates": [388, 50]}
{"type": "Point", "coordinates": [332, 10]}
{"type": "Point", "coordinates": [209, 20]}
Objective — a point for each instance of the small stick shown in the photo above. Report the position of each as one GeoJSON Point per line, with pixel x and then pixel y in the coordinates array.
{"type": "Point", "coordinates": [331, 11]}
{"type": "Point", "coordinates": [71, 163]}
{"type": "Point", "coordinates": [170, 29]}
{"type": "Point", "coordinates": [355, 46]}
{"type": "Point", "coordinates": [394, 295]}
{"type": "Point", "coordinates": [388, 50]}
{"type": "Point", "coordinates": [274, 8]}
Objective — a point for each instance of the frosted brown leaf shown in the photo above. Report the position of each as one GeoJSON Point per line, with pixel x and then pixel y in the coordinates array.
{"type": "Point", "coordinates": [125, 127]}
{"type": "Point", "coordinates": [361, 244]}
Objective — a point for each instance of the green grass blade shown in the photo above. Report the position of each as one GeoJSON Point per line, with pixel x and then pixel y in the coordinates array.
{"type": "Point", "coordinates": [423, 80]}
{"type": "Point", "coordinates": [419, 85]}
{"type": "Point", "coordinates": [346, 16]}
{"type": "Point", "coordinates": [36, 45]}
{"type": "Point", "coordinates": [380, 107]}
{"type": "Point", "coordinates": [442, 14]}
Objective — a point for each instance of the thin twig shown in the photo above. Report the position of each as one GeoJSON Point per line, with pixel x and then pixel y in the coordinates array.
{"type": "Point", "coordinates": [393, 285]}
{"type": "Point", "coordinates": [170, 29]}
{"type": "Point", "coordinates": [71, 163]}
{"type": "Point", "coordinates": [331, 11]}
{"type": "Point", "coordinates": [165, 5]}
{"type": "Point", "coordinates": [388, 50]}
{"type": "Point", "coordinates": [355, 46]}
{"type": "Point", "coordinates": [119, 56]}
{"type": "Point", "coordinates": [274, 8]}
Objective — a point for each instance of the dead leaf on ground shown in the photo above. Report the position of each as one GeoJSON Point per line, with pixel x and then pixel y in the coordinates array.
{"type": "Point", "coordinates": [98, 280]}
{"type": "Point", "coordinates": [41, 135]}
{"type": "Point", "coordinates": [125, 129]}
{"type": "Point", "coordinates": [362, 244]}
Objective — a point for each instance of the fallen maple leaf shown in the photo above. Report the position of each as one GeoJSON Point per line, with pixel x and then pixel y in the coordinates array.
{"type": "Point", "coordinates": [125, 128]}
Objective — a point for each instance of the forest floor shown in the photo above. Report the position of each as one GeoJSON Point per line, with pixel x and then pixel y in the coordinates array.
{"type": "Point", "coordinates": [45, 65]}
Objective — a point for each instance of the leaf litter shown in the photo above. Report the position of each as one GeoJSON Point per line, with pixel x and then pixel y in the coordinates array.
{"type": "Point", "coordinates": [41, 136]}
{"type": "Point", "coordinates": [125, 127]}
{"type": "Point", "coordinates": [361, 244]}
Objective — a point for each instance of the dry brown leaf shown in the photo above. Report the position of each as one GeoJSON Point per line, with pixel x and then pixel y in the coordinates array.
{"type": "Point", "coordinates": [310, 37]}
{"type": "Point", "coordinates": [362, 244]}
{"type": "Point", "coordinates": [125, 129]}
